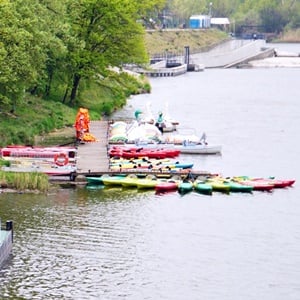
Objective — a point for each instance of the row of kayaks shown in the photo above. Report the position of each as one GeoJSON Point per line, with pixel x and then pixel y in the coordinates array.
{"type": "Point", "coordinates": [201, 185]}
{"type": "Point", "coordinates": [165, 164]}
{"type": "Point", "coordinates": [137, 152]}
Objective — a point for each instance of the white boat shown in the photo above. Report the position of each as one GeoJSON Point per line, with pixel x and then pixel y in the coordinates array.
{"type": "Point", "coordinates": [185, 148]}
{"type": "Point", "coordinates": [199, 149]}
{"type": "Point", "coordinates": [169, 123]}
{"type": "Point", "coordinates": [186, 144]}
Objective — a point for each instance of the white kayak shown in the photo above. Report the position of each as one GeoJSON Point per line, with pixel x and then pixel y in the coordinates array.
{"type": "Point", "coordinates": [199, 149]}
{"type": "Point", "coordinates": [184, 148]}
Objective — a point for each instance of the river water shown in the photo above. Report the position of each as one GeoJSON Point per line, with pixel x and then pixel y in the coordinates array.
{"type": "Point", "coordinates": [118, 243]}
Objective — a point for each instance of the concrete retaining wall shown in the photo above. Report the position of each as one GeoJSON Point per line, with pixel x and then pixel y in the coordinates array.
{"type": "Point", "coordinates": [229, 52]}
{"type": "Point", "coordinates": [164, 72]}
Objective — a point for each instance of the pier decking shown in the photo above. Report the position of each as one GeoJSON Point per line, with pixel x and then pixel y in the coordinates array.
{"type": "Point", "coordinates": [92, 157]}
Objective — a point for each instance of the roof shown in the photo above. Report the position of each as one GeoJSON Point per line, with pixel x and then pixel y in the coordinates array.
{"type": "Point", "coordinates": [199, 17]}
{"type": "Point", "coordinates": [219, 21]}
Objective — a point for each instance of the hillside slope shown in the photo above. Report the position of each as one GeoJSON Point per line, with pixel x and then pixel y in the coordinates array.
{"type": "Point", "coordinates": [159, 41]}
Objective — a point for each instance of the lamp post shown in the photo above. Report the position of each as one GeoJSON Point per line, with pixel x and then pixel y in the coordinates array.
{"type": "Point", "coordinates": [210, 8]}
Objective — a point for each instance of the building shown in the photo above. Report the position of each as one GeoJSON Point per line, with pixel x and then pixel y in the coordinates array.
{"type": "Point", "coordinates": [221, 23]}
{"type": "Point", "coordinates": [199, 21]}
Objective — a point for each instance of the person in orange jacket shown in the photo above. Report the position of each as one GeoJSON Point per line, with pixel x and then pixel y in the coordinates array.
{"type": "Point", "coordinates": [79, 127]}
{"type": "Point", "coordinates": [82, 123]}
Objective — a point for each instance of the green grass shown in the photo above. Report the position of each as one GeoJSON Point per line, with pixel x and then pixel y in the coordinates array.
{"type": "Point", "coordinates": [24, 181]}
{"type": "Point", "coordinates": [198, 40]}
{"type": "Point", "coordinates": [36, 117]}
{"type": "Point", "coordinates": [290, 36]}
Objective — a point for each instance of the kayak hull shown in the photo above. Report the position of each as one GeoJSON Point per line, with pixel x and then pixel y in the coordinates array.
{"type": "Point", "coordinates": [185, 187]}
{"type": "Point", "coordinates": [203, 188]}
{"type": "Point", "coordinates": [166, 186]}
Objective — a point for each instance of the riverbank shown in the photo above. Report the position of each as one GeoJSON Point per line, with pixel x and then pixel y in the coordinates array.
{"type": "Point", "coordinates": [23, 182]}
{"type": "Point", "coordinates": [290, 36]}
{"type": "Point", "coordinates": [175, 40]}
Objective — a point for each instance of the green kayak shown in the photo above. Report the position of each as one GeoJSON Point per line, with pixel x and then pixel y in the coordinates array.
{"type": "Point", "coordinates": [185, 187]}
{"type": "Point", "coordinates": [202, 187]}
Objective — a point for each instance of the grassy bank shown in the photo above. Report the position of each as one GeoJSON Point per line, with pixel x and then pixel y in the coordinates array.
{"type": "Point", "coordinates": [36, 117]}
{"type": "Point", "coordinates": [290, 36]}
{"type": "Point", "coordinates": [24, 182]}
{"type": "Point", "coordinates": [198, 40]}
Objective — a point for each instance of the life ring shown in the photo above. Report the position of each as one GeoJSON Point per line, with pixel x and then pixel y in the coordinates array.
{"type": "Point", "coordinates": [61, 159]}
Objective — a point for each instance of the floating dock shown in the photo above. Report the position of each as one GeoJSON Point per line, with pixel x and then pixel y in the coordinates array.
{"type": "Point", "coordinates": [6, 241]}
{"type": "Point", "coordinates": [163, 71]}
{"type": "Point", "coordinates": [93, 158]}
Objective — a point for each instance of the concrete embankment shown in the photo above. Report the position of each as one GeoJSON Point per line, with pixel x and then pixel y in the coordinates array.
{"type": "Point", "coordinates": [232, 53]}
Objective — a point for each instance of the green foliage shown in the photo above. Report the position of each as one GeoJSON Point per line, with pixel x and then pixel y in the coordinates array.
{"type": "Point", "coordinates": [104, 33]}
{"type": "Point", "coordinates": [22, 181]}
{"type": "Point", "coordinates": [273, 15]}
{"type": "Point", "coordinates": [48, 47]}
{"type": "Point", "coordinates": [4, 163]}
{"type": "Point", "coordinates": [33, 117]}
{"type": "Point", "coordinates": [108, 93]}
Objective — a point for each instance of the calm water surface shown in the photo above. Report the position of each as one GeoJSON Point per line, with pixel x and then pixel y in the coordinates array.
{"type": "Point", "coordinates": [122, 244]}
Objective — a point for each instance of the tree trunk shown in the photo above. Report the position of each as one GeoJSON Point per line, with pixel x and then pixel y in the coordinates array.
{"type": "Point", "coordinates": [76, 80]}
{"type": "Point", "coordinates": [65, 95]}
{"type": "Point", "coordinates": [48, 85]}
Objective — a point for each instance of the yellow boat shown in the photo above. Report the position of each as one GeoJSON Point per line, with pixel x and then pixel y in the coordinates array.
{"type": "Point", "coordinates": [148, 183]}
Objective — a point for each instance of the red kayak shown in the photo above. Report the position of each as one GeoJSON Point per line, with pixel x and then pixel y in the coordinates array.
{"type": "Point", "coordinates": [140, 152]}
{"type": "Point", "coordinates": [278, 183]}
{"type": "Point", "coordinates": [166, 186]}
{"type": "Point", "coordinates": [37, 152]}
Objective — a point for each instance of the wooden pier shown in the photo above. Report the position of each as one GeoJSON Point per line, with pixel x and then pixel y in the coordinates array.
{"type": "Point", "coordinates": [93, 159]}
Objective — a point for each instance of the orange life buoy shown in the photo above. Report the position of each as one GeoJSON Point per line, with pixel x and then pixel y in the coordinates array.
{"type": "Point", "coordinates": [61, 159]}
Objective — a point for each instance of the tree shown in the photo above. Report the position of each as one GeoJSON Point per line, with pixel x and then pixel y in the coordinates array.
{"type": "Point", "coordinates": [15, 58]}
{"type": "Point", "coordinates": [25, 38]}
{"type": "Point", "coordinates": [103, 34]}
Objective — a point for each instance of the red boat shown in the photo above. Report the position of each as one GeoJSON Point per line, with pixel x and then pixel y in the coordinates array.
{"type": "Point", "coordinates": [59, 154]}
{"type": "Point", "coordinates": [277, 183]}
{"type": "Point", "coordinates": [166, 186]}
{"type": "Point", "coordinates": [141, 152]}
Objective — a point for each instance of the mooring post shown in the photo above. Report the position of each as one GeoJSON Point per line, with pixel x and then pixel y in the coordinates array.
{"type": "Point", "coordinates": [187, 55]}
{"type": "Point", "coordinates": [10, 227]}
